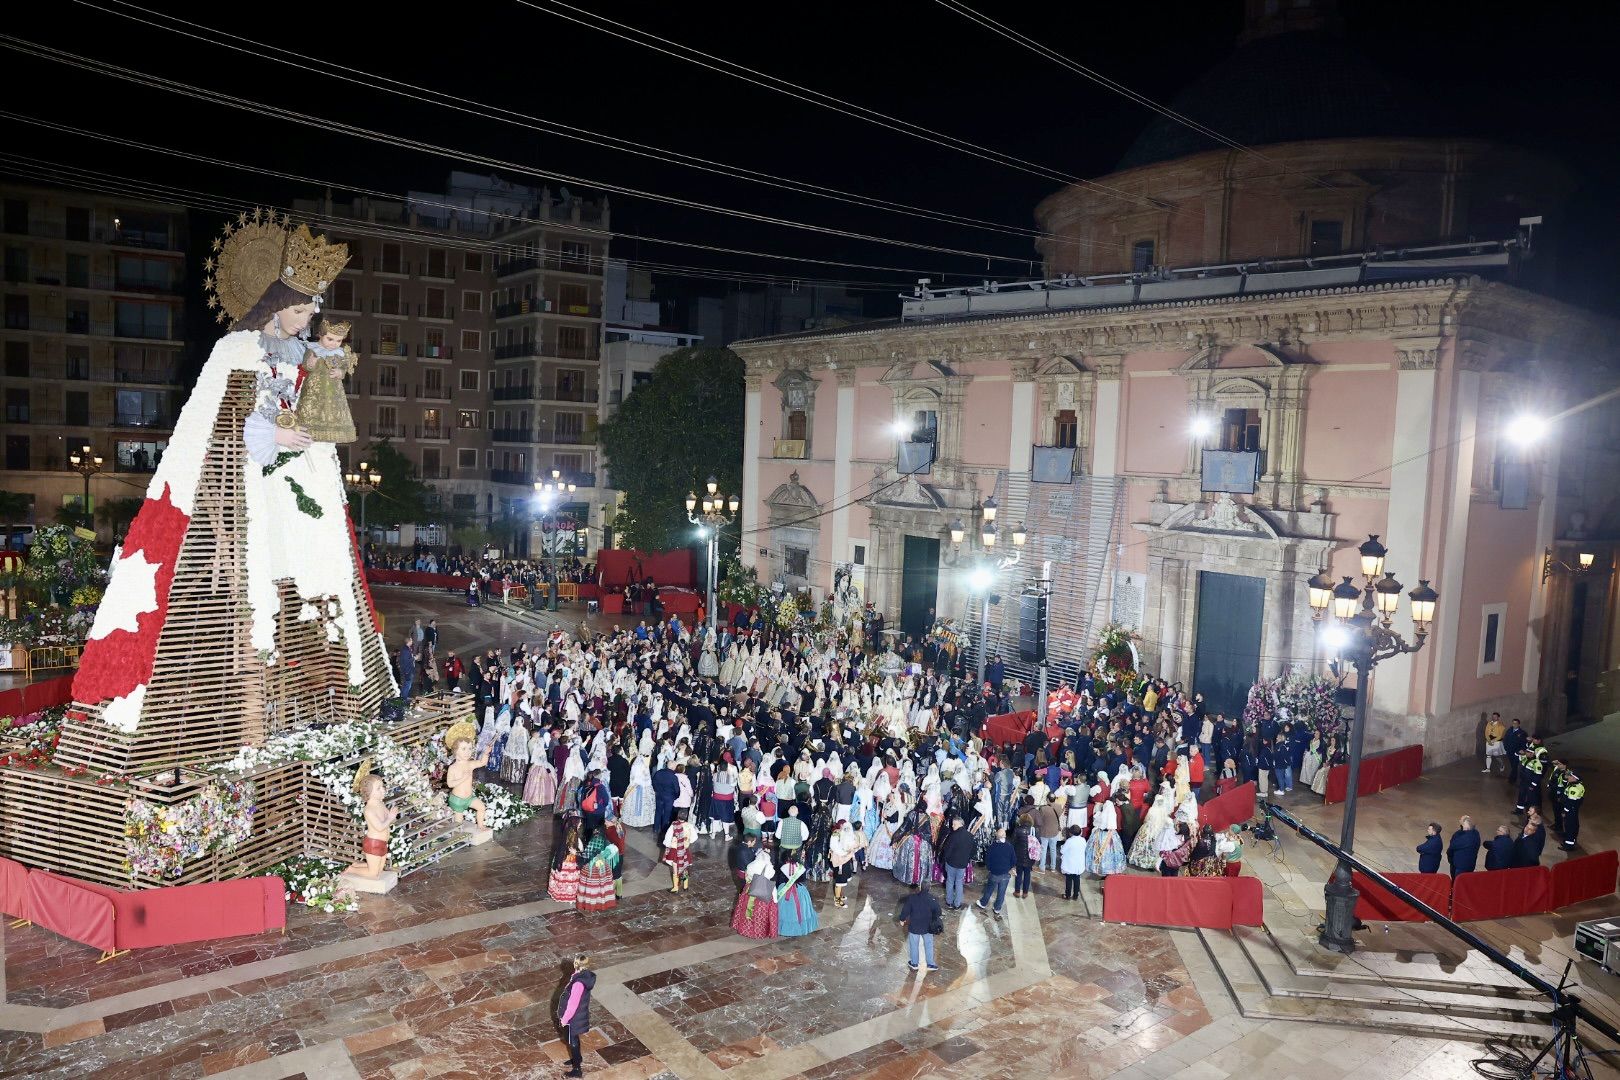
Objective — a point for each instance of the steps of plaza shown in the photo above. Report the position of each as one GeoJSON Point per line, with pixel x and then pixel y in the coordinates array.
{"type": "Point", "coordinates": [1279, 973]}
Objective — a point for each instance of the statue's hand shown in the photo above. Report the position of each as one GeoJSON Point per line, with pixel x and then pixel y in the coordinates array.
{"type": "Point", "coordinates": [293, 438]}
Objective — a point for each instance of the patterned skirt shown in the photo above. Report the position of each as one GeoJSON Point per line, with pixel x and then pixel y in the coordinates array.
{"type": "Point", "coordinates": [761, 924]}
{"type": "Point", "coordinates": [914, 860]}
{"type": "Point", "coordinates": [564, 884]}
{"type": "Point", "coordinates": [880, 852]}
{"type": "Point", "coordinates": [596, 888]}
{"type": "Point", "coordinates": [540, 788]}
{"type": "Point", "coordinates": [513, 769]}
{"type": "Point", "coordinates": [723, 808]}
{"type": "Point", "coordinates": [795, 914]}
{"type": "Point", "coordinates": [1104, 853]}
{"type": "Point", "coordinates": [679, 858]}
{"type": "Point", "coordinates": [640, 808]}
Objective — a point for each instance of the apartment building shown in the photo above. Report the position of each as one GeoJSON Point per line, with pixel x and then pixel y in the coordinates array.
{"type": "Point", "coordinates": [95, 294]}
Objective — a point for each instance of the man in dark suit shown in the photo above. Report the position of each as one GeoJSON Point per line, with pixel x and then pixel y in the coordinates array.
{"type": "Point", "coordinates": [1499, 852]}
{"type": "Point", "coordinates": [1429, 851]}
{"type": "Point", "coordinates": [665, 788]}
{"type": "Point", "coordinates": [1463, 851]}
{"type": "Point", "coordinates": [1527, 848]}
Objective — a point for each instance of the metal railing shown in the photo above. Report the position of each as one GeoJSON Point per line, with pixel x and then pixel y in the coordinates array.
{"type": "Point", "coordinates": [509, 476]}
{"type": "Point", "coordinates": [163, 423]}
{"type": "Point", "coordinates": [442, 311]}
{"type": "Point", "coordinates": [514, 435]}
{"type": "Point", "coordinates": [436, 352]}
{"type": "Point", "coordinates": [391, 390]}
{"type": "Point", "coordinates": [435, 433]}
{"type": "Point", "coordinates": [387, 431]}
{"type": "Point", "coordinates": [148, 378]}
{"type": "Point", "coordinates": [389, 348]}
{"type": "Point", "coordinates": [517, 349]}
{"type": "Point", "coordinates": [569, 438]}
{"type": "Point", "coordinates": [521, 392]}
{"type": "Point", "coordinates": [581, 394]}
{"type": "Point", "coordinates": [432, 393]}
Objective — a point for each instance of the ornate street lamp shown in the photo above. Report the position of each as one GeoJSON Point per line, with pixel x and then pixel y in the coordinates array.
{"type": "Point", "coordinates": [548, 495]}
{"type": "Point", "coordinates": [1362, 638]}
{"type": "Point", "coordinates": [983, 564]}
{"type": "Point", "coordinates": [86, 462]}
{"type": "Point", "coordinates": [717, 512]}
{"type": "Point", "coordinates": [363, 483]}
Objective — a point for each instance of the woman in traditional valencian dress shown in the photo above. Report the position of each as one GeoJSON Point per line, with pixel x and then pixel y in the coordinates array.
{"type": "Point", "coordinates": [795, 913]}
{"type": "Point", "coordinates": [914, 850]}
{"type": "Point", "coordinates": [564, 884]}
{"type": "Point", "coordinates": [1144, 854]}
{"type": "Point", "coordinates": [598, 860]}
{"type": "Point", "coordinates": [755, 914]}
{"type": "Point", "coordinates": [640, 808]}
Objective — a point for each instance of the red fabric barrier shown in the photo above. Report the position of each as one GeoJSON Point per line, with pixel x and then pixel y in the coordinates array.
{"type": "Point", "coordinates": [615, 567]}
{"type": "Point", "coordinates": [1248, 901]}
{"type": "Point", "coordinates": [588, 591]}
{"type": "Point", "coordinates": [109, 918]}
{"type": "Point", "coordinates": [1501, 894]}
{"type": "Point", "coordinates": [1210, 903]}
{"type": "Point", "coordinates": [41, 695]}
{"type": "Point", "coordinates": [78, 914]}
{"type": "Point", "coordinates": [612, 604]}
{"type": "Point", "coordinates": [1378, 771]}
{"type": "Point", "coordinates": [676, 567]}
{"type": "Point", "coordinates": [679, 602]}
{"type": "Point", "coordinates": [13, 889]}
{"type": "Point", "coordinates": [1232, 808]}
{"type": "Point", "coordinates": [1375, 902]}
{"type": "Point", "coordinates": [1008, 727]}
{"type": "Point", "coordinates": [418, 579]}
{"type": "Point", "coordinates": [1587, 878]}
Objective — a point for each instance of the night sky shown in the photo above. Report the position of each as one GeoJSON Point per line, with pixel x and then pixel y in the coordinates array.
{"type": "Point", "coordinates": [1522, 73]}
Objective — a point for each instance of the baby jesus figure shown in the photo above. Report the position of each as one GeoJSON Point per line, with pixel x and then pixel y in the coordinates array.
{"type": "Point", "coordinates": [323, 409]}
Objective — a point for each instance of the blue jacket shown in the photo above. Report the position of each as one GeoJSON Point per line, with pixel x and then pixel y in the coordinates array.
{"type": "Point", "coordinates": [1463, 851]}
{"type": "Point", "coordinates": [1429, 855]}
{"type": "Point", "coordinates": [1499, 853]}
{"type": "Point", "coordinates": [999, 857]}
{"type": "Point", "coordinates": [407, 662]}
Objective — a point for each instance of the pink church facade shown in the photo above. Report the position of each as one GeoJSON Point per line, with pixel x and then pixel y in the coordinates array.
{"type": "Point", "coordinates": [1378, 408]}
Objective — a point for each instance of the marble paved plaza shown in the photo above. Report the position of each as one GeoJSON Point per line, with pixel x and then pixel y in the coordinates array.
{"type": "Point", "coordinates": [456, 973]}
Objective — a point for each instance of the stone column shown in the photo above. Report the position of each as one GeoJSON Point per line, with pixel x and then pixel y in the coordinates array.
{"type": "Point", "coordinates": [1106, 416]}
{"type": "Point", "coordinates": [844, 445]}
{"type": "Point", "coordinates": [1448, 616]}
{"type": "Point", "coordinates": [1405, 526]}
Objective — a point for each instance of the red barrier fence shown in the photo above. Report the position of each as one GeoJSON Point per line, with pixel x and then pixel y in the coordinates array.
{"type": "Point", "coordinates": [1208, 903]}
{"type": "Point", "coordinates": [616, 567]}
{"type": "Point", "coordinates": [1233, 808]}
{"type": "Point", "coordinates": [1587, 878]}
{"type": "Point", "coordinates": [40, 695]}
{"type": "Point", "coordinates": [1374, 902]}
{"type": "Point", "coordinates": [418, 579]}
{"type": "Point", "coordinates": [1501, 894]}
{"type": "Point", "coordinates": [1378, 771]}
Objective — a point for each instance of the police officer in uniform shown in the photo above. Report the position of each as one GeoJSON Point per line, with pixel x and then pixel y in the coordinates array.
{"type": "Point", "coordinates": [1574, 794]}
{"type": "Point", "coordinates": [1533, 763]}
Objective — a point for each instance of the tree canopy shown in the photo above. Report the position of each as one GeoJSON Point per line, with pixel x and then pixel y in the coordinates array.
{"type": "Point", "coordinates": [671, 434]}
{"type": "Point", "coordinates": [401, 497]}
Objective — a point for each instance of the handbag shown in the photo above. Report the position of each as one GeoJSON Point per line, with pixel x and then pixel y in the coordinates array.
{"type": "Point", "coordinates": [936, 922]}
{"type": "Point", "coordinates": [589, 805]}
{"type": "Point", "coordinates": [760, 887]}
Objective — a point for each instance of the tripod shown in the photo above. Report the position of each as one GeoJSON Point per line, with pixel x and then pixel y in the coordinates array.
{"type": "Point", "coordinates": [1568, 1056]}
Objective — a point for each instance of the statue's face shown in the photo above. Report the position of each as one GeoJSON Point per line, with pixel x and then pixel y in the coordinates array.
{"type": "Point", "coordinates": [295, 320]}
{"type": "Point", "coordinates": [463, 750]}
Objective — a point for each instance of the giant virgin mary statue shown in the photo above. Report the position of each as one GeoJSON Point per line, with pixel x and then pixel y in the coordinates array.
{"type": "Point", "coordinates": [237, 605]}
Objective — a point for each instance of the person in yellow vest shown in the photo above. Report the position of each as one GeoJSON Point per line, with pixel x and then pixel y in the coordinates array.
{"type": "Point", "coordinates": [1495, 751]}
{"type": "Point", "coordinates": [1574, 794]}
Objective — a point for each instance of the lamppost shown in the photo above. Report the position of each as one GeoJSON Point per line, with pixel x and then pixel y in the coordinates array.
{"type": "Point", "coordinates": [987, 564]}
{"type": "Point", "coordinates": [547, 494]}
{"type": "Point", "coordinates": [717, 513]}
{"type": "Point", "coordinates": [1362, 638]}
{"type": "Point", "coordinates": [363, 483]}
{"type": "Point", "coordinates": [86, 462]}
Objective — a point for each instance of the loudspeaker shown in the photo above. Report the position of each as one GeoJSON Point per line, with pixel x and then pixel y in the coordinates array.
{"type": "Point", "coordinates": [1032, 628]}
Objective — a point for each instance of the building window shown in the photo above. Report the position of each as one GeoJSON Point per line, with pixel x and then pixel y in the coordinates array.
{"type": "Point", "coordinates": [432, 424]}
{"type": "Point", "coordinates": [139, 408]}
{"type": "Point", "coordinates": [473, 260]}
{"type": "Point", "coordinates": [1327, 237]}
{"type": "Point", "coordinates": [17, 452]}
{"type": "Point", "coordinates": [17, 359]}
{"type": "Point", "coordinates": [430, 463]}
{"type": "Point", "coordinates": [797, 425]}
{"type": "Point", "coordinates": [387, 378]}
{"type": "Point", "coordinates": [467, 418]}
{"type": "Point", "coordinates": [469, 380]}
{"type": "Point", "coordinates": [796, 562]}
{"type": "Point", "coordinates": [1240, 430]}
{"type": "Point", "coordinates": [17, 265]}
{"type": "Point", "coordinates": [472, 300]}
{"type": "Point", "coordinates": [17, 311]}
{"type": "Point", "coordinates": [77, 314]}
{"type": "Point", "coordinates": [572, 343]}
{"type": "Point", "coordinates": [438, 263]}
{"type": "Point", "coordinates": [924, 426]}
{"type": "Point", "coordinates": [135, 319]}
{"type": "Point", "coordinates": [133, 455]}
{"type": "Point", "coordinates": [78, 271]}
{"type": "Point", "coordinates": [78, 223]}
{"type": "Point", "coordinates": [392, 262]}
{"type": "Point", "coordinates": [1142, 256]}
{"type": "Point", "coordinates": [17, 411]}
{"type": "Point", "coordinates": [1492, 622]}
{"type": "Point", "coordinates": [390, 338]}
{"type": "Point", "coordinates": [388, 299]}
{"type": "Point", "coordinates": [466, 459]}
{"type": "Point", "coordinates": [78, 408]}
{"type": "Point", "coordinates": [466, 504]}
{"type": "Point", "coordinates": [343, 295]}
{"type": "Point", "coordinates": [436, 308]}
{"type": "Point", "coordinates": [138, 274]}
{"type": "Point", "coordinates": [78, 362]}
{"type": "Point", "coordinates": [1066, 429]}
{"type": "Point", "coordinates": [470, 340]}
{"type": "Point", "coordinates": [387, 420]}
{"type": "Point", "coordinates": [16, 216]}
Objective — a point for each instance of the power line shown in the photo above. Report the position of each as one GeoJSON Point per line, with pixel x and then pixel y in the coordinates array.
{"type": "Point", "coordinates": [355, 131]}
{"type": "Point", "coordinates": [1109, 84]}
{"type": "Point", "coordinates": [375, 81]}
{"type": "Point", "coordinates": [816, 97]}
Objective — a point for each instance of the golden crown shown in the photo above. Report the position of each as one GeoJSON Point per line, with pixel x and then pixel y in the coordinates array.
{"type": "Point", "coordinates": [311, 263]}
{"type": "Point", "coordinates": [341, 329]}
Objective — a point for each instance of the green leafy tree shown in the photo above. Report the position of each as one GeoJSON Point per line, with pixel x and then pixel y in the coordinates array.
{"type": "Point", "coordinates": [118, 513]}
{"type": "Point", "coordinates": [402, 497]}
{"type": "Point", "coordinates": [16, 510]}
{"type": "Point", "coordinates": [671, 434]}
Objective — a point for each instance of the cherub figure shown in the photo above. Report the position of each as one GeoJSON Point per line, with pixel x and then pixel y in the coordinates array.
{"type": "Point", "coordinates": [323, 410]}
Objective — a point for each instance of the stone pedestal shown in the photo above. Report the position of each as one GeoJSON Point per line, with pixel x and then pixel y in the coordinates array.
{"type": "Point", "coordinates": [382, 883]}
{"type": "Point", "coordinates": [476, 836]}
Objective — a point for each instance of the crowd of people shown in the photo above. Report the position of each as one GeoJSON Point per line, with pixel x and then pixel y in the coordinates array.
{"type": "Point", "coordinates": [1538, 778]}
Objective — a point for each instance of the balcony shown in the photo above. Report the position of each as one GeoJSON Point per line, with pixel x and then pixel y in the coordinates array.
{"type": "Point", "coordinates": [517, 349]}
{"type": "Point", "coordinates": [433, 432]}
{"type": "Point", "coordinates": [523, 392]}
{"type": "Point", "coordinates": [436, 311]}
{"type": "Point", "coordinates": [568, 438]}
{"type": "Point", "coordinates": [387, 431]}
{"type": "Point", "coordinates": [147, 378]}
{"type": "Point", "coordinates": [444, 272]}
{"type": "Point", "coordinates": [145, 239]}
{"type": "Point", "coordinates": [389, 348]}
{"type": "Point", "coordinates": [386, 390]}
{"type": "Point", "coordinates": [522, 307]}
{"type": "Point", "coordinates": [510, 476]}
{"type": "Point", "coordinates": [508, 267]}
{"type": "Point", "coordinates": [574, 352]}
{"type": "Point", "coordinates": [789, 448]}
{"type": "Point", "coordinates": [582, 394]}
{"type": "Point", "coordinates": [133, 466]}
{"type": "Point", "coordinates": [512, 435]}
{"type": "Point", "coordinates": [431, 393]}
{"type": "Point", "coordinates": [131, 285]}
{"type": "Point", "coordinates": [589, 311]}
{"type": "Point", "coordinates": [573, 264]}
{"type": "Point", "coordinates": [145, 423]}
{"type": "Point", "coordinates": [436, 352]}
{"type": "Point", "coordinates": [401, 267]}
{"type": "Point", "coordinates": [580, 479]}
{"type": "Point", "coordinates": [441, 473]}
{"type": "Point", "coordinates": [390, 307]}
